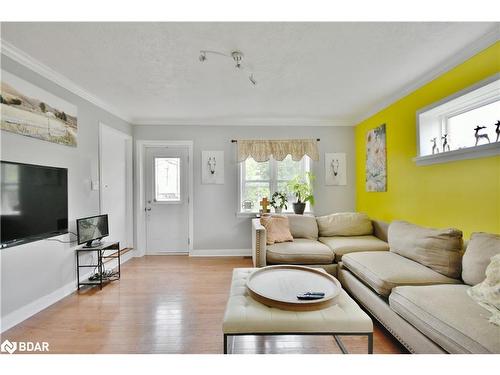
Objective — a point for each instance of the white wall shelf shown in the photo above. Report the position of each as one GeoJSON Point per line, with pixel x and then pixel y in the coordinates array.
{"type": "Point", "coordinates": [490, 149]}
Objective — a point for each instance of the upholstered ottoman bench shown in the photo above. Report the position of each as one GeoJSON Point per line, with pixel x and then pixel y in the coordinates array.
{"type": "Point", "coordinates": [245, 316]}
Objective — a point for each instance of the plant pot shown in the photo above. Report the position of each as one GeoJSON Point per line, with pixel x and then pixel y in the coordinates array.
{"type": "Point", "coordinates": [278, 210]}
{"type": "Point", "coordinates": [299, 208]}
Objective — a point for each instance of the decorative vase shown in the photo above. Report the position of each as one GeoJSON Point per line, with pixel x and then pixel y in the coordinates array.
{"type": "Point", "coordinates": [299, 208]}
{"type": "Point", "coordinates": [278, 210]}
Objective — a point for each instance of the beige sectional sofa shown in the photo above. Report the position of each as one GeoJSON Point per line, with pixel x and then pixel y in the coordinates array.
{"type": "Point", "coordinates": [316, 241]}
{"type": "Point", "coordinates": [416, 289]}
{"type": "Point", "coordinates": [426, 310]}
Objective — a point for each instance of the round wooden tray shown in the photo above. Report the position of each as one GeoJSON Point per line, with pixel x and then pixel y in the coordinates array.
{"type": "Point", "coordinates": [278, 286]}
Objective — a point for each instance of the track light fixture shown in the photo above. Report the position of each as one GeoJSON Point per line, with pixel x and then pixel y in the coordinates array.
{"type": "Point", "coordinates": [237, 57]}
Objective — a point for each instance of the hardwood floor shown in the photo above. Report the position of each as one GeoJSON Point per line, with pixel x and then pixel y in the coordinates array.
{"type": "Point", "coordinates": [166, 304]}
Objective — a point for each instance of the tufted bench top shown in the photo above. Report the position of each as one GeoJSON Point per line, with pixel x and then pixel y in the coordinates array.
{"type": "Point", "coordinates": [244, 315]}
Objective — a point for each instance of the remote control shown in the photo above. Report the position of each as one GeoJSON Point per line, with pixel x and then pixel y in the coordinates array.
{"type": "Point", "coordinates": [310, 296]}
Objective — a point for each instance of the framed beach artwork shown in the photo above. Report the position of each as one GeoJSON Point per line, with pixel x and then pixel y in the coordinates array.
{"type": "Point", "coordinates": [31, 111]}
{"type": "Point", "coordinates": [376, 159]}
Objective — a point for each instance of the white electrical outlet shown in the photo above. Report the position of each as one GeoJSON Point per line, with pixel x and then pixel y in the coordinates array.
{"type": "Point", "coordinates": [94, 184]}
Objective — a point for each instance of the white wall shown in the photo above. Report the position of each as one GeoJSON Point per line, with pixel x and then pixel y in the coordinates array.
{"type": "Point", "coordinates": [116, 184]}
{"type": "Point", "coordinates": [38, 273]}
{"type": "Point", "coordinates": [216, 225]}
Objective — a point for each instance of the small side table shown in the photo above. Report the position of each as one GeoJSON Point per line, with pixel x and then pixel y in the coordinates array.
{"type": "Point", "coordinates": [104, 252]}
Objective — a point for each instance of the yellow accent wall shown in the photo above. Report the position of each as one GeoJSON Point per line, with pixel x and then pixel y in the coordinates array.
{"type": "Point", "coordinates": [464, 194]}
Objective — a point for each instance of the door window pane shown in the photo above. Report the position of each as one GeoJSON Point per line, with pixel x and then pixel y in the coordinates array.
{"type": "Point", "coordinates": [167, 179]}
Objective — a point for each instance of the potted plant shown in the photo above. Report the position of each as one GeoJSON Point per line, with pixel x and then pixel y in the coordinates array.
{"type": "Point", "coordinates": [278, 201]}
{"type": "Point", "coordinates": [302, 189]}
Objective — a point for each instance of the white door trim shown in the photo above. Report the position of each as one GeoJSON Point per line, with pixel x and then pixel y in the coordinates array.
{"type": "Point", "coordinates": [140, 226]}
{"type": "Point", "coordinates": [129, 176]}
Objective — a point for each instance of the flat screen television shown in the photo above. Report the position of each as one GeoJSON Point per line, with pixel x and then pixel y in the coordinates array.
{"type": "Point", "coordinates": [92, 228]}
{"type": "Point", "coordinates": [34, 202]}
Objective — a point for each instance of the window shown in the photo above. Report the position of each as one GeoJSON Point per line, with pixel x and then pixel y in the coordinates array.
{"type": "Point", "coordinates": [459, 126]}
{"type": "Point", "coordinates": [258, 180]}
{"type": "Point", "coordinates": [455, 119]}
{"type": "Point", "coordinates": [167, 179]}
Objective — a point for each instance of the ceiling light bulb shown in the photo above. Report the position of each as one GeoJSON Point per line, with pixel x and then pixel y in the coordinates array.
{"type": "Point", "coordinates": [237, 57]}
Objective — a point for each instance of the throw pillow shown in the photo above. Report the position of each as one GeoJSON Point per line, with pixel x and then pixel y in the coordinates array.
{"type": "Point", "coordinates": [277, 229]}
{"type": "Point", "coordinates": [487, 293]}
{"type": "Point", "coordinates": [344, 224]}
{"type": "Point", "coordinates": [481, 247]}
{"type": "Point", "coordinates": [438, 249]}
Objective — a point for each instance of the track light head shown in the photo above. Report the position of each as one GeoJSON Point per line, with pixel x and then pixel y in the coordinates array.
{"type": "Point", "coordinates": [237, 57]}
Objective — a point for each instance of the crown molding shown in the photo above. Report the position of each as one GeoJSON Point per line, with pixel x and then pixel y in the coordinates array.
{"type": "Point", "coordinates": [21, 57]}
{"type": "Point", "coordinates": [242, 121]}
{"type": "Point", "coordinates": [464, 54]}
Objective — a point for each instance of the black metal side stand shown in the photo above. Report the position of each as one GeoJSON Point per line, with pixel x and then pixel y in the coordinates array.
{"type": "Point", "coordinates": [105, 253]}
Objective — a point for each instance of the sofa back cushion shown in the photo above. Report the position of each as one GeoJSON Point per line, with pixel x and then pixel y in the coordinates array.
{"type": "Point", "coordinates": [438, 249]}
{"type": "Point", "coordinates": [481, 248]}
{"type": "Point", "coordinates": [303, 226]}
{"type": "Point", "coordinates": [380, 229]}
{"type": "Point", "coordinates": [277, 229]}
{"type": "Point", "coordinates": [344, 224]}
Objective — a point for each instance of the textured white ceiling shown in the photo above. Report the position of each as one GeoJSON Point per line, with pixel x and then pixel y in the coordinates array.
{"type": "Point", "coordinates": [335, 71]}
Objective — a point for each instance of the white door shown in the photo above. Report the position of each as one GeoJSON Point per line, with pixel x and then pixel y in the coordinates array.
{"type": "Point", "coordinates": [115, 172]}
{"type": "Point", "coordinates": [167, 200]}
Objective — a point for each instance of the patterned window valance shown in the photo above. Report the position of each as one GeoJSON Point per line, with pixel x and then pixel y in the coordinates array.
{"type": "Point", "coordinates": [262, 150]}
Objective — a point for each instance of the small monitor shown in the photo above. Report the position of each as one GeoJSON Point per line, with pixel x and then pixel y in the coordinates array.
{"type": "Point", "coordinates": [92, 228]}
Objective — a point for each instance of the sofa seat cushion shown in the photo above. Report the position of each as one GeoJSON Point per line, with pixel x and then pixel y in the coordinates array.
{"type": "Point", "coordinates": [447, 315]}
{"type": "Point", "coordinates": [384, 270]}
{"type": "Point", "coordinates": [345, 245]}
{"type": "Point", "coordinates": [300, 251]}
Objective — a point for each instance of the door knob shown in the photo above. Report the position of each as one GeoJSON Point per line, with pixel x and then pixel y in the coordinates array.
{"type": "Point", "coordinates": [148, 209]}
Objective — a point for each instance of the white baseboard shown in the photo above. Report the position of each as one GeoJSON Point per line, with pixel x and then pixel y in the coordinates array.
{"type": "Point", "coordinates": [220, 252]}
{"type": "Point", "coordinates": [27, 311]}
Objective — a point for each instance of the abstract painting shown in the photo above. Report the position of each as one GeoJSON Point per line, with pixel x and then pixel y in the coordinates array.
{"type": "Point", "coordinates": [335, 169]}
{"type": "Point", "coordinates": [376, 159]}
{"type": "Point", "coordinates": [31, 111]}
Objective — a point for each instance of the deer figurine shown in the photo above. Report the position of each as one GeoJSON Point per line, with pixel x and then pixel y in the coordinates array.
{"type": "Point", "coordinates": [497, 130]}
{"type": "Point", "coordinates": [445, 142]}
{"type": "Point", "coordinates": [479, 136]}
{"type": "Point", "coordinates": [435, 148]}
